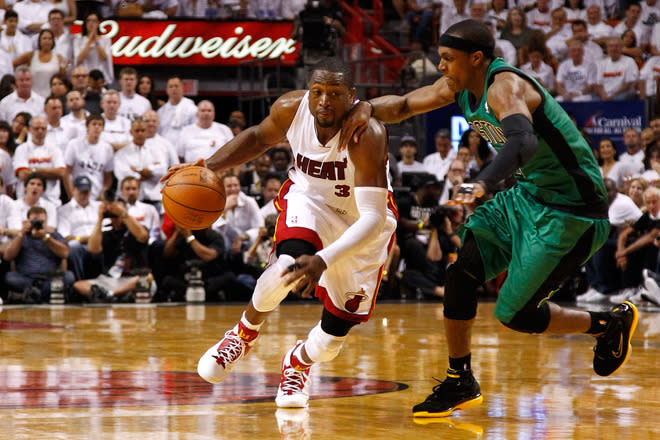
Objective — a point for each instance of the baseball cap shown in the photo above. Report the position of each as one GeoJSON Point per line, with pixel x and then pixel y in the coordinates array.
{"type": "Point", "coordinates": [443, 132]}
{"type": "Point", "coordinates": [407, 139]}
{"type": "Point", "coordinates": [82, 183]}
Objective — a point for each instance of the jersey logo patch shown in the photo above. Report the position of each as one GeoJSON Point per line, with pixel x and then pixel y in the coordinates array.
{"type": "Point", "coordinates": [492, 133]}
{"type": "Point", "coordinates": [355, 298]}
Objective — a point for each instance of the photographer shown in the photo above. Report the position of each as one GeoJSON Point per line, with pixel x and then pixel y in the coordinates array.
{"type": "Point", "coordinates": [38, 255]}
{"type": "Point", "coordinates": [424, 235]}
{"type": "Point", "coordinates": [319, 26]}
{"type": "Point", "coordinates": [206, 250]}
{"type": "Point", "coordinates": [123, 243]}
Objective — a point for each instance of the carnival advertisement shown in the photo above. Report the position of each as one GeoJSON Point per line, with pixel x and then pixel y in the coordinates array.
{"type": "Point", "coordinates": [199, 43]}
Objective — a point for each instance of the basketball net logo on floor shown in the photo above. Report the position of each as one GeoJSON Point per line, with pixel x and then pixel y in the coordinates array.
{"type": "Point", "coordinates": [89, 389]}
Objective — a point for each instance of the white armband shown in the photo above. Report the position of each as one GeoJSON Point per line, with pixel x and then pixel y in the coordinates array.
{"type": "Point", "coordinates": [372, 204]}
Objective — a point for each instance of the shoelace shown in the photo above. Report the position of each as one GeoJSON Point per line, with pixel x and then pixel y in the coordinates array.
{"type": "Point", "coordinates": [294, 380]}
{"type": "Point", "coordinates": [230, 350]}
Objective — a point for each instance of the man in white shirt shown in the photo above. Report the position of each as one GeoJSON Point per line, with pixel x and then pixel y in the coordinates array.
{"type": "Point", "coordinates": [241, 211]}
{"type": "Point", "coordinates": [632, 21]}
{"type": "Point", "coordinates": [574, 76]}
{"type": "Point", "coordinates": [540, 17]}
{"type": "Point", "coordinates": [650, 14]}
{"type": "Point", "coordinates": [63, 38]}
{"type": "Point", "coordinates": [34, 190]}
{"type": "Point", "coordinates": [32, 15]}
{"type": "Point", "coordinates": [203, 138]}
{"type": "Point", "coordinates": [57, 133]}
{"type": "Point", "coordinates": [617, 75]}
{"type": "Point", "coordinates": [599, 30]}
{"type": "Point", "coordinates": [23, 99]}
{"type": "Point", "coordinates": [35, 156]}
{"type": "Point", "coordinates": [144, 213]}
{"type": "Point", "coordinates": [408, 153]}
{"type": "Point", "coordinates": [177, 112]}
{"type": "Point", "coordinates": [438, 163]}
{"type": "Point", "coordinates": [148, 163]}
{"type": "Point", "coordinates": [158, 142]}
{"type": "Point", "coordinates": [92, 157]}
{"type": "Point", "coordinates": [12, 41]}
{"type": "Point", "coordinates": [560, 32]}
{"type": "Point", "coordinates": [132, 105]}
{"type": "Point", "coordinates": [632, 161]}
{"type": "Point", "coordinates": [592, 51]}
{"type": "Point", "coordinates": [75, 222]}
{"type": "Point", "coordinates": [117, 128]}
{"type": "Point", "coordinates": [76, 119]}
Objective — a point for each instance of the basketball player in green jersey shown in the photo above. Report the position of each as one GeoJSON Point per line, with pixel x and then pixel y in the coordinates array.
{"type": "Point", "coordinates": [540, 230]}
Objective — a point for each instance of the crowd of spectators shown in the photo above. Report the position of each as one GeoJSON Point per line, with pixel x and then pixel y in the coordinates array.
{"type": "Point", "coordinates": [579, 50]}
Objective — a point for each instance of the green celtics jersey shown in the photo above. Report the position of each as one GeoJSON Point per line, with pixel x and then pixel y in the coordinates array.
{"type": "Point", "coordinates": [563, 173]}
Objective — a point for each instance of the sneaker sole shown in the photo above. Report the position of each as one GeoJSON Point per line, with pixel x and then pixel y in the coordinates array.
{"type": "Point", "coordinates": [633, 326]}
{"type": "Point", "coordinates": [649, 299]}
{"type": "Point", "coordinates": [463, 405]}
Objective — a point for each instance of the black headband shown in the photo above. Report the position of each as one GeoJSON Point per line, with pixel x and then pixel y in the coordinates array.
{"type": "Point", "coordinates": [465, 45]}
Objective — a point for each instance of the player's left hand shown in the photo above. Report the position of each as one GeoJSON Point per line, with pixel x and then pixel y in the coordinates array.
{"type": "Point", "coordinates": [306, 273]}
{"type": "Point", "coordinates": [355, 123]}
{"type": "Point", "coordinates": [469, 192]}
{"type": "Point", "coordinates": [199, 163]}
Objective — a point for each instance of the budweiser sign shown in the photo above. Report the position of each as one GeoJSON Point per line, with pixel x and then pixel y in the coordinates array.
{"type": "Point", "coordinates": [199, 43]}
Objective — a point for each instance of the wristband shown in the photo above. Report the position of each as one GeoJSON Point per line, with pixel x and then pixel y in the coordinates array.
{"type": "Point", "coordinates": [46, 237]}
{"type": "Point", "coordinates": [190, 239]}
{"type": "Point", "coordinates": [420, 225]}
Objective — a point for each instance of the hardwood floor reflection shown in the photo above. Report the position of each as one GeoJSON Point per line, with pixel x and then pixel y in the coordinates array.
{"type": "Point", "coordinates": [129, 373]}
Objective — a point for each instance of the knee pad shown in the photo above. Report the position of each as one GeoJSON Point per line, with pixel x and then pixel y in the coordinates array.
{"type": "Point", "coordinates": [321, 346]}
{"type": "Point", "coordinates": [460, 294]}
{"type": "Point", "coordinates": [270, 289]}
{"type": "Point", "coordinates": [530, 320]}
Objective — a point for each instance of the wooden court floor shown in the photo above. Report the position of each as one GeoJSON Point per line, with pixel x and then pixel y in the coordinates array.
{"type": "Point", "coordinates": [128, 372]}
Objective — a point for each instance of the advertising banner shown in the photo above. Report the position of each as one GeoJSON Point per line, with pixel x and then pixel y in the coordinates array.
{"type": "Point", "coordinates": [199, 43]}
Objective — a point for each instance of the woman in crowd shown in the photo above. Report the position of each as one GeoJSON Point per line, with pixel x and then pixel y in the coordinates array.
{"type": "Point", "coordinates": [145, 87]}
{"type": "Point", "coordinates": [631, 48]}
{"type": "Point", "coordinates": [43, 62]}
{"type": "Point", "coordinates": [609, 162]}
{"type": "Point", "coordinates": [498, 13]}
{"type": "Point", "coordinates": [7, 85]}
{"type": "Point", "coordinates": [92, 50]}
{"type": "Point", "coordinates": [19, 127]}
{"type": "Point", "coordinates": [478, 147]}
{"type": "Point", "coordinates": [652, 165]}
{"type": "Point", "coordinates": [59, 87]}
{"type": "Point", "coordinates": [515, 29]}
{"type": "Point", "coordinates": [7, 142]}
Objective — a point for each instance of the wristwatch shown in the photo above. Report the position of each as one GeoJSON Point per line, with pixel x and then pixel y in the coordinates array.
{"type": "Point", "coordinates": [190, 239]}
{"type": "Point", "coordinates": [124, 214]}
{"type": "Point", "coordinates": [46, 237]}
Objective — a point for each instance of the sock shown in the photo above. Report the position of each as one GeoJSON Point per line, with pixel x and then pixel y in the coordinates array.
{"type": "Point", "coordinates": [297, 361]}
{"type": "Point", "coordinates": [246, 330]}
{"type": "Point", "coordinates": [460, 364]}
{"type": "Point", "coordinates": [599, 321]}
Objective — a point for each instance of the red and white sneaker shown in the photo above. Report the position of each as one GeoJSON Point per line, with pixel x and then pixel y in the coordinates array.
{"type": "Point", "coordinates": [214, 365]}
{"type": "Point", "coordinates": [293, 391]}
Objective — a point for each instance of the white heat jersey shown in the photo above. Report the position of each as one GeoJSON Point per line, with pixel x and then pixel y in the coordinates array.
{"type": "Point", "coordinates": [320, 171]}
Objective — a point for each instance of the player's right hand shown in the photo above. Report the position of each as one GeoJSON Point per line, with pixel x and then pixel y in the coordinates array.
{"type": "Point", "coordinates": [355, 123]}
{"type": "Point", "coordinates": [199, 163]}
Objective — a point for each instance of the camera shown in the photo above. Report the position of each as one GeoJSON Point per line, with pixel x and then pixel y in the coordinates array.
{"type": "Point", "coordinates": [437, 217]}
{"type": "Point", "coordinates": [37, 224]}
{"type": "Point", "coordinates": [110, 195]}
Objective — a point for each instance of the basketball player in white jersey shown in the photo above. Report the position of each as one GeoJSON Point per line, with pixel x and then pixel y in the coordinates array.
{"type": "Point", "coordinates": [335, 226]}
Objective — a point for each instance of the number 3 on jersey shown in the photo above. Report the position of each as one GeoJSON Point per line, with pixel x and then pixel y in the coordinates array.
{"type": "Point", "coordinates": [343, 191]}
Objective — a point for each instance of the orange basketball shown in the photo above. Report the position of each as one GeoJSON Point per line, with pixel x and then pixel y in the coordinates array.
{"type": "Point", "coordinates": [194, 197]}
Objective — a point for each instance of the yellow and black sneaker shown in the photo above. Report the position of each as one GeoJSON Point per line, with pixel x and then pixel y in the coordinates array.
{"type": "Point", "coordinates": [613, 346]}
{"type": "Point", "coordinates": [460, 390]}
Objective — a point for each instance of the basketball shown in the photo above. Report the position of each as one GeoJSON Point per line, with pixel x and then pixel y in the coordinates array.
{"type": "Point", "coordinates": [194, 198]}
